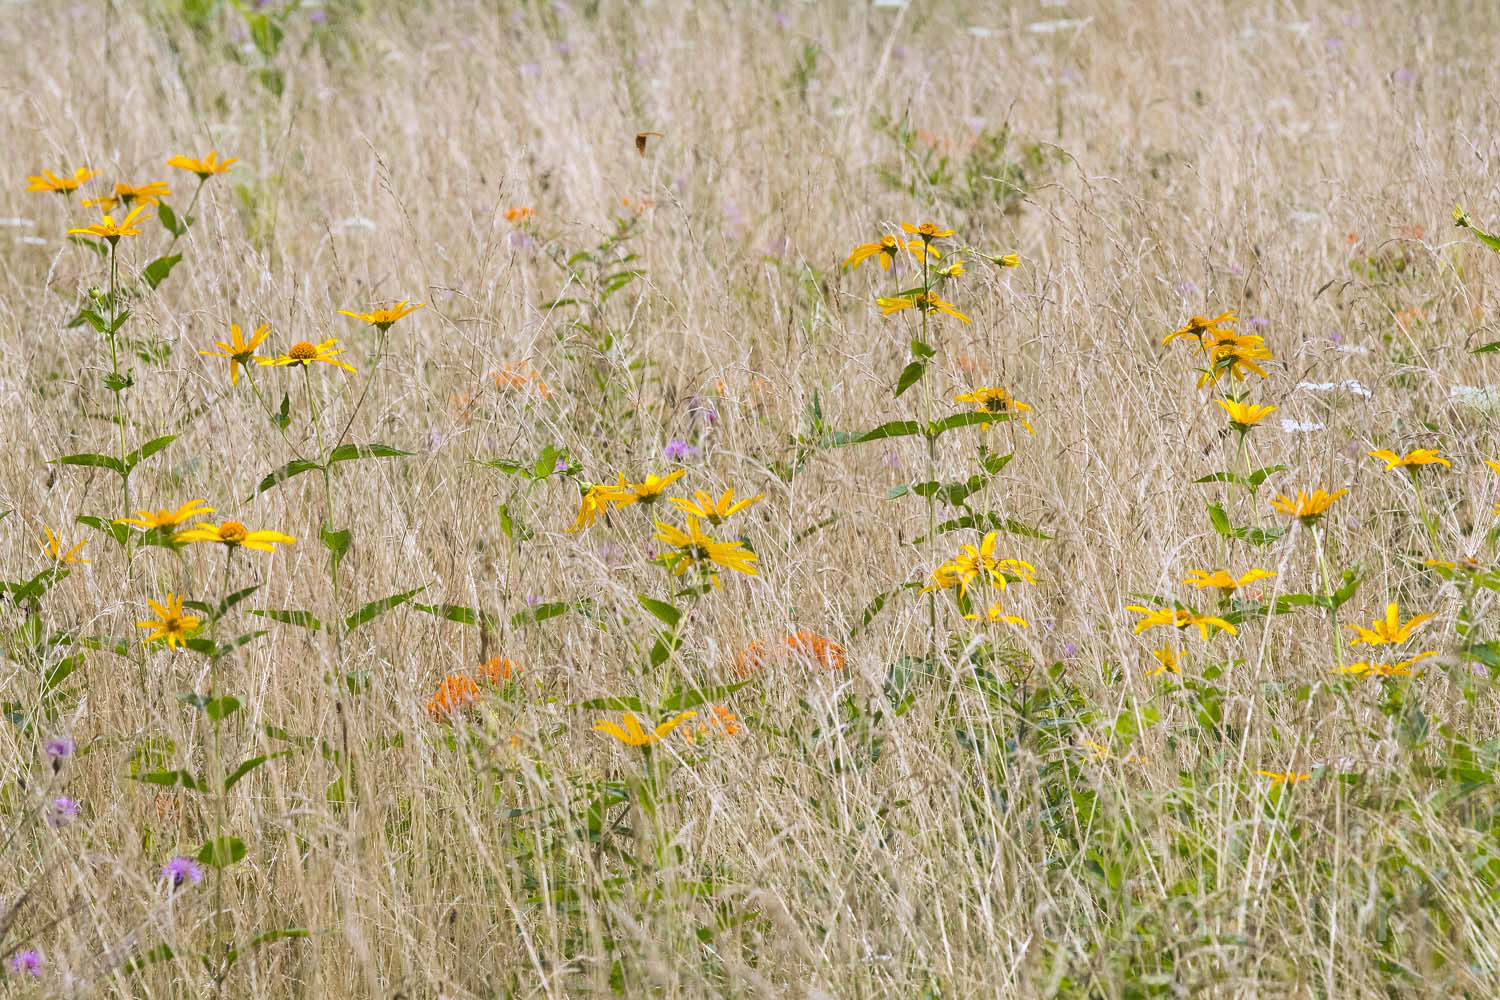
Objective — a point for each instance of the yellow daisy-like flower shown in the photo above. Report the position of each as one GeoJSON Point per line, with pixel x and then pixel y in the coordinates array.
{"type": "Point", "coordinates": [54, 549]}
{"type": "Point", "coordinates": [206, 167]}
{"type": "Point", "coordinates": [146, 194]}
{"type": "Point", "coordinates": [995, 615]}
{"type": "Point", "coordinates": [647, 492]}
{"type": "Point", "coordinates": [239, 351]}
{"type": "Point", "coordinates": [922, 302]}
{"type": "Point", "coordinates": [1412, 460]}
{"type": "Point", "coordinates": [885, 251]}
{"type": "Point", "coordinates": [996, 400]}
{"type": "Point", "coordinates": [976, 562]}
{"type": "Point", "coordinates": [928, 231]}
{"type": "Point", "coordinates": [596, 501]}
{"type": "Point", "coordinates": [1220, 579]}
{"type": "Point", "coordinates": [1308, 507]}
{"type": "Point", "coordinates": [1390, 630]}
{"type": "Point", "coordinates": [1288, 777]}
{"type": "Point", "coordinates": [1197, 326]}
{"type": "Point", "coordinates": [106, 229]}
{"type": "Point", "coordinates": [1178, 618]}
{"type": "Point", "coordinates": [953, 270]}
{"type": "Point", "coordinates": [146, 520]}
{"type": "Point", "coordinates": [694, 548]}
{"type": "Point", "coordinates": [631, 733]}
{"type": "Point", "coordinates": [1402, 669]}
{"type": "Point", "coordinates": [715, 512]}
{"type": "Point", "coordinates": [1494, 465]}
{"type": "Point", "coordinates": [235, 535]}
{"type": "Point", "coordinates": [1233, 354]}
{"type": "Point", "coordinates": [303, 353]}
{"type": "Point", "coordinates": [49, 182]}
{"type": "Point", "coordinates": [173, 625]}
{"type": "Point", "coordinates": [1168, 660]}
{"type": "Point", "coordinates": [382, 319]}
{"type": "Point", "coordinates": [1009, 260]}
{"type": "Point", "coordinates": [1243, 416]}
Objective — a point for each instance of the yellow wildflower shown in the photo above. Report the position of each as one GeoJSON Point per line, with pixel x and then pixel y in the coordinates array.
{"type": "Point", "coordinates": [1220, 579]}
{"type": "Point", "coordinates": [632, 734]}
{"type": "Point", "coordinates": [54, 549]}
{"type": "Point", "coordinates": [927, 231]}
{"type": "Point", "coordinates": [106, 229]}
{"type": "Point", "coordinates": [596, 501]}
{"type": "Point", "coordinates": [238, 350]}
{"type": "Point", "coordinates": [1308, 507]}
{"type": "Point", "coordinates": [1197, 326]}
{"type": "Point", "coordinates": [174, 626]}
{"type": "Point", "coordinates": [382, 319]}
{"type": "Point", "coordinates": [694, 548]}
{"type": "Point", "coordinates": [204, 168]}
{"type": "Point", "coordinates": [1412, 460]}
{"type": "Point", "coordinates": [996, 400]}
{"type": "Point", "coordinates": [1402, 669]}
{"type": "Point", "coordinates": [715, 512]}
{"type": "Point", "coordinates": [995, 615]}
{"type": "Point", "coordinates": [885, 251]}
{"type": "Point", "coordinates": [1390, 630]}
{"type": "Point", "coordinates": [1289, 777]}
{"type": "Point", "coordinates": [147, 520]}
{"type": "Point", "coordinates": [302, 353]}
{"type": "Point", "coordinates": [1167, 660]}
{"type": "Point", "coordinates": [235, 535]}
{"type": "Point", "coordinates": [1178, 618]}
{"type": "Point", "coordinates": [1243, 416]}
{"type": "Point", "coordinates": [922, 302]}
{"type": "Point", "coordinates": [49, 182]}
{"type": "Point", "coordinates": [647, 491]}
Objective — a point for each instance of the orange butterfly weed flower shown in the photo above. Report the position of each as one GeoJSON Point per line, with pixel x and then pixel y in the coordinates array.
{"type": "Point", "coordinates": [497, 670]}
{"type": "Point", "coordinates": [456, 693]}
{"type": "Point", "coordinates": [803, 644]}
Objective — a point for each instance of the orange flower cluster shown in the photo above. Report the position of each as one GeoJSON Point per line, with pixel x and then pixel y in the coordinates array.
{"type": "Point", "coordinates": [803, 644]}
{"type": "Point", "coordinates": [718, 721]}
{"type": "Point", "coordinates": [457, 692]}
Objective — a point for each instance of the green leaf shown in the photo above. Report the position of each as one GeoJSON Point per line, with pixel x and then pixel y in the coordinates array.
{"type": "Point", "coordinates": [146, 450]}
{"type": "Point", "coordinates": [222, 852]}
{"type": "Point", "coordinates": [889, 429]}
{"type": "Point", "coordinates": [221, 708]}
{"type": "Point", "coordinates": [118, 382]}
{"type": "Point", "coordinates": [246, 767]}
{"type": "Point", "coordinates": [377, 608]}
{"type": "Point", "coordinates": [457, 613]}
{"type": "Point", "coordinates": [506, 466]}
{"type": "Point", "coordinates": [119, 532]}
{"type": "Point", "coordinates": [664, 612]}
{"type": "Point", "coordinates": [93, 460]}
{"type": "Point", "coordinates": [613, 705]}
{"type": "Point", "coordinates": [546, 462]}
{"type": "Point", "coordinates": [230, 601]}
{"type": "Point", "coordinates": [336, 542]}
{"type": "Point", "coordinates": [173, 777]}
{"type": "Point", "coordinates": [168, 219]}
{"type": "Point", "coordinates": [161, 953]}
{"type": "Point", "coordinates": [540, 613]}
{"type": "Point", "coordinates": [1489, 348]}
{"type": "Point", "coordinates": [693, 697]}
{"type": "Point", "coordinates": [99, 323]}
{"type": "Point", "coordinates": [295, 467]}
{"type": "Point", "coordinates": [910, 376]}
{"type": "Point", "coordinates": [1462, 220]}
{"type": "Point", "coordinates": [354, 452]}
{"type": "Point", "coordinates": [120, 318]}
{"type": "Point", "coordinates": [1220, 520]}
{"type": "Point", "coordinates": [957, 420]}
{"type": "Point", "coordinates": [283, 416]}
{"type": "Point", "coordinates": [302, 619]}
{"type": "Point", "coordinates": [156, 272]}
{"type": "Point", "coordinates": [59, 672]}
{"type": "Point", "coordinates": [921, 350]}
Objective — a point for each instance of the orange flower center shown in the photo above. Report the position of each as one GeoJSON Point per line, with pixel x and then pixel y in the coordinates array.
{"type": "Point", "coordinates": [302, 351]}
{"type": "Point", "coordinates": [232, 533]}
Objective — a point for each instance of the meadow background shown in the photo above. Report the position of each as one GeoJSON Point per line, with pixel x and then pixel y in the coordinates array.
{"type": "Point", "coordinates": [874, 808]}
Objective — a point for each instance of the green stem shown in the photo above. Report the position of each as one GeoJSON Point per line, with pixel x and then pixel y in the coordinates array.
{"type": "Point", "coordinates": [182, 221]}
{"type": "Point", "coordinates": [931, 461]}
{"type": "Point", "coordinates": [216, 776]}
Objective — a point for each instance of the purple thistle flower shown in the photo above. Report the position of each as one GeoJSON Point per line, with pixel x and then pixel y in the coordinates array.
{"type": "Point", "coordinates": [678, 450]}
{"type": "Point", "coordinates": [61, 812]}
{"type": "Point", "coordinates": [703, 410]}
{"type": "Point", "coordinates": [25, 961]}
{"type": "Point", "coordinates": [561, 465]}
{"type": "Point", "coordinates": [58, 749]}
{"type": "Point", "coordinates": [181, 869]}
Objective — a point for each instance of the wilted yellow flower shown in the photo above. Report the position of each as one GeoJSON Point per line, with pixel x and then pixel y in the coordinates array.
{"type": "Point", "coordinates": [647, 491]}
{"type": "Point", "coordinates": [204, 168]}
{"type": "Point", "coordinates": [996, 400]}
{"type": "Point", "coordinates": [1412, 460]}
{"type": "Point", "coordinates": [1243, 416]}
{"type": "Point", "coordinates": [694, 548]}
{"type": "Point", "coordinates": [1307, 508]}
{"type": "Point", "coordinates": [632, 734]}
{"type": "Point", "coordinates": [885, 251]}
{"type": "Point", "coordinates": [147, 520]}
{"type": "Point", "coordinates": [927, 231]}
{"type": "Point", "coordinates": [1167, 660]}
{"type": "Point", "coordinates": [303, 353]}
{"type": "Point", "coordinates": [1390, 630]}
{"type": "Point", "coordinates": [238, 350]}
{"type": "Point", "coordinates": [713, 511]}
{"type": "Point", "coordinates": [49, 182]}
{"type": "Point", "coordinates": [1178, 618]}
{"type": "Point", "coordinates": [106, 229]}
{"type": "Point", "coordinates": [54, 549]}
{"type": "Point", "coordinates": [922, 302]}
{"type": "Point", "coordinates": [1402, 669]}
{"type": "Point", "coordinates": [235, 535]}
{"type": "Point", "coordinates": [1220, 579]}
{"type": "Point", "coordinates": [1289, 777]}
{"type": "Point", "coordinates": [174, 626]}
{"type": "Point", "coordinates": [382, 319]}
{"type": "Point", "coordinates": [1197, 326]}
{"type": "Point", "coordinates": [976, 562]}
{"type": "Point", "coordinates": [953, 270]}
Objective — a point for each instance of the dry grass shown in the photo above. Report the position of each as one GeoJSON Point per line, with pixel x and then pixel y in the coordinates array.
{"type": "Point", "coordinates": [905, 826]}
